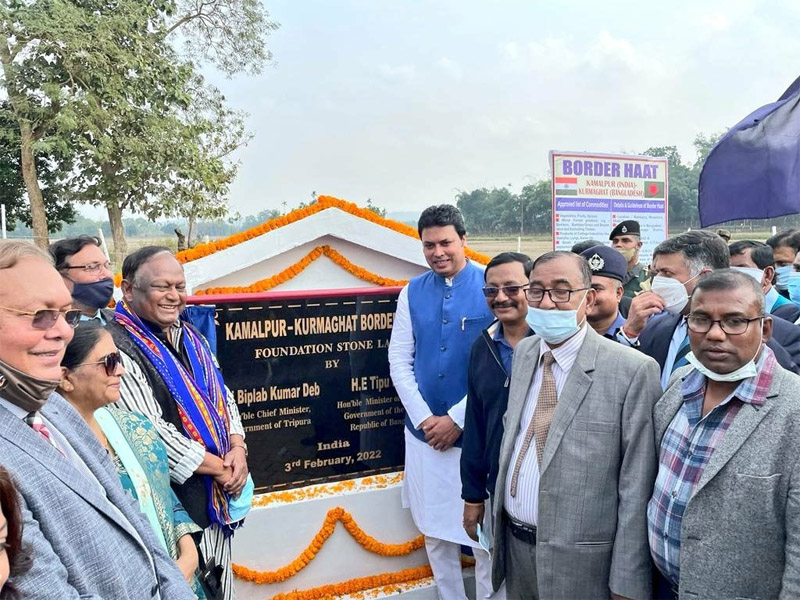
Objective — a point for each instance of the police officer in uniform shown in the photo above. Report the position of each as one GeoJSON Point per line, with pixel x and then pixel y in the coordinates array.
{"type": "Point", "coordinates": [608, 272]}
{"type": "Point", "coordinates": [626, 239]}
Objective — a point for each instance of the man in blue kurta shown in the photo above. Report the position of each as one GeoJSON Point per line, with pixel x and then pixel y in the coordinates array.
{"type": "Point", "coordinates": [439, 315]}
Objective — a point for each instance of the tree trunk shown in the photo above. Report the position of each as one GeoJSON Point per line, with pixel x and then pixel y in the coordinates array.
{"type": "Point", "coordinates": [192, 219]}
{"type": "Point", "coordinates": [29, 176]}
{"type": "Point", "coordinates": [117, 231]}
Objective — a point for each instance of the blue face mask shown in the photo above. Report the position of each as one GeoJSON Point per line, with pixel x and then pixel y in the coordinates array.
{"type": "Point", "coordinates": [239, 507]}
{"type": "Point", "coordinates": [793, 286]}
{"type": "Point", "coordinates": [782, 274]}
{"type": "Point", "coordinates": [94, 295]}
{"type": "Point", "coordinates": [554, 326]}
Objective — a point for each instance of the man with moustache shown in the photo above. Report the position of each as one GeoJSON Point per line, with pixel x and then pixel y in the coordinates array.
{"type": "Point", "coordinates": [488, 380]}
{"type": "Point", "coordinates": [87, 274]}
{"type": "Point", "coordinates": [724, 516]}
{"type": "Point", "coordinates": [577, 460]}
{"type": "Point", "coordinates": [86, 536]}
{"type": "Point", "coordinates": [608, 272]}
{"type": "Point", "coordinates": [439, 315]}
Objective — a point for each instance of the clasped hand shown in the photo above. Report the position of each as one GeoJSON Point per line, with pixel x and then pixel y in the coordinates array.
{"type": "Point", "coordinates": [440, 432]}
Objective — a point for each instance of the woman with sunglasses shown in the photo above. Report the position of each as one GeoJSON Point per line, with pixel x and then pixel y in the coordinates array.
{"type": "Point", "coordinates": [91, 371]}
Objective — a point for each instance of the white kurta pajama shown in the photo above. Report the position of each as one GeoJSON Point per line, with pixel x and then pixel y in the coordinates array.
{"type": "Point", "coordinates": [432, 481]}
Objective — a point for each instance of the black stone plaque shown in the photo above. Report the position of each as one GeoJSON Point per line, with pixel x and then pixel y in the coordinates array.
{"type": "Point", "coordinates": [311, 379]}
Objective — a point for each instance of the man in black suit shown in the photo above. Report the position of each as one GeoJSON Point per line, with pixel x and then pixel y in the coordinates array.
{"type": "Point", "coordinates": [757, 260]}
{"type": "Point", "coordinates": [656, 324]}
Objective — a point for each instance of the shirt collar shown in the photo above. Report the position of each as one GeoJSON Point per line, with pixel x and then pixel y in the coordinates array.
{"type": "Point", "coordinates": [451, 281]}
{"type": "Point", "coordinates": [618, 322]}
{"type": "Point", "coordinates": [498, 336]}
{"type": "Point", "coordinates": [770, 298]}
{"type": "Point", "coordinates": [15, 410]}
{"type": "Point", "coordinates": [98, 316]}
{"type": "Point", "coordinates": [750, 391]}
{"type": "Point", "coordinates": [566, 354]}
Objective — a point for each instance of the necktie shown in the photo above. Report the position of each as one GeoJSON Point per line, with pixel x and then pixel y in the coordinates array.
{"type": "Point", "coordinates": [680, 357]}
{"type": "Point", "coordinates": [540, 422]}
{"type": "Point", "coordinates": [35, 421]}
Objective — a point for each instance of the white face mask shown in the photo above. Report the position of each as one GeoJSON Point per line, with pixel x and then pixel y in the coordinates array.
{"type": "Point", "coordinates": [756, 274]}
{"type": "Point", "coordinates": [746, 371]}
{"type": "Point", "coordinates": [672, 291]}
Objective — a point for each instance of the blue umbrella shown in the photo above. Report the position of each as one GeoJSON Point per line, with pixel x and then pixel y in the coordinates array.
{"type": "Point", "coordinates": [754, 170]}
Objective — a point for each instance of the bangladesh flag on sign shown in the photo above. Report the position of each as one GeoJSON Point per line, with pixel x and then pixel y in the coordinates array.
{"type": "Point", "coordinates": [653, 189]}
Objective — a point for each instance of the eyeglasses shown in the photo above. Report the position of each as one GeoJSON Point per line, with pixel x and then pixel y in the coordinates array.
{"type": "Point", "coordinates": [92, 268]}
{"type": "Point", "coordinates": [509, 290]}
{"type": "Point", "coordinates": [110, 363]}
{"type": "Point", "coordinates": [45, 318]}
{"type": "Point", "coordinates": [558, 296]}
{"type": "Point", "coordinates": [729, 325]}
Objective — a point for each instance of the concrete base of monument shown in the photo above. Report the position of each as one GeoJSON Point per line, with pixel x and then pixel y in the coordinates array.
{"type": "Point", "coordinates": [345, 534]}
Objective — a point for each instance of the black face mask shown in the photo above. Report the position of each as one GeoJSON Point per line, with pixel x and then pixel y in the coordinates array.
{"type": "Point", "coordinates": [23, 390]}
{"type": "Point", "coordinates": [94, 295]}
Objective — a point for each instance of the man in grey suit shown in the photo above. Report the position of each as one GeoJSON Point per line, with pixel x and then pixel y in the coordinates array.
{"type": "Point", "coordinates": [87, 538]}
{"type": "Point", "coordinates": [576, 463]}
{"type": "Point", "coordinates": [724, 517]}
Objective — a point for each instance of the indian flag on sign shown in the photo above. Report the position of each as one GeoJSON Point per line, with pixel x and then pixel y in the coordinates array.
{"type": "Point", "coordinates": [653, 189]}
{"type": "Point", "coordinates": [566, 186]}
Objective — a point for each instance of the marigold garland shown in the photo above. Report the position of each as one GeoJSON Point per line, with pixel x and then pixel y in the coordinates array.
{"type": "Point", "coordinates": [292, 271]}
{"type": "Point", "coordinates": [358, 585]}
{"type": "Point", "coordinates": [374, 482]}
{"type": "Point", "coordinates": [335, 514]}
{"type": "Point", "coordinates": [322, 203]}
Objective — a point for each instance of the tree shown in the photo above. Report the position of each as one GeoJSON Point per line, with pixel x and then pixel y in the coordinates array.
{"type": "Point", "coordinates": [45, 51]}
{"type": "Point", "coordinates": [381, 212]}
{"type": "Point", "coordinates": [703, 144]}
{"type": "Point", "coordinates": [12, 185]}
{"type": "Point", "coordinates": [538, 199]}
{"type": "Point", "coordinates": [98, 81]}
{"type": "Point", "coordinates": [230, 34]}
{"type": "Point", "coordinates": [682, 185]}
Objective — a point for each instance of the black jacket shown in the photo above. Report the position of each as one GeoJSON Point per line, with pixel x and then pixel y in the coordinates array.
{"type": "Point", "coordinates": [487, 399]}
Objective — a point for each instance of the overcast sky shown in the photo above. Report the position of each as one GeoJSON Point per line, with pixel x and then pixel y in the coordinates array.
{"type": "Point", "coordinates": [408, 102]}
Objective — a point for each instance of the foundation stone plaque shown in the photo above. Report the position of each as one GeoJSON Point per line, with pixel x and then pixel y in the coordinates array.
{"type": "Point", "coordinates": [311, 379]}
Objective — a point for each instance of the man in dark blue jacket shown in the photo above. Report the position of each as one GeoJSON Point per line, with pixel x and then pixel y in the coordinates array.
{"type": "Point", "coordinates": [489, 374]}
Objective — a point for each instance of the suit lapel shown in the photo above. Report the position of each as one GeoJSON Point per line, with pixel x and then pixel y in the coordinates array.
{"type": "Point", "coordinates": [24, 438]}
{"type": "Point", "coordinates": [521, 377]}
{"type": "Point", "coordinates": [666, 409]}
{"type": "Point", "coordinates": [572, 395]}
{"type": "Point", "coordinates": [59, 412]}
{"type": "Point", "coordinates": [655, 343]}
{"type": "Point", "coordinates": [743, 425]}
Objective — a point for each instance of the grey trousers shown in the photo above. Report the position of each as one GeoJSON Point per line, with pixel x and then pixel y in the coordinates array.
{"type": "Point", "coordinates": [521, 581]}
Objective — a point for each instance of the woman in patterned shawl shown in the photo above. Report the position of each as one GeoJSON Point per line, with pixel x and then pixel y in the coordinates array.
{"type": "Point", "coordinates": [90, 382]}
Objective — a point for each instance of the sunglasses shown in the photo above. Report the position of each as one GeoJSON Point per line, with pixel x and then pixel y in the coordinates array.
{"type": "Point", "coordinates": [110, 363]}
{"type": "Point", "coordinates": [45, 318]}
{"type": "Point", "coordinates": [509, 290]}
